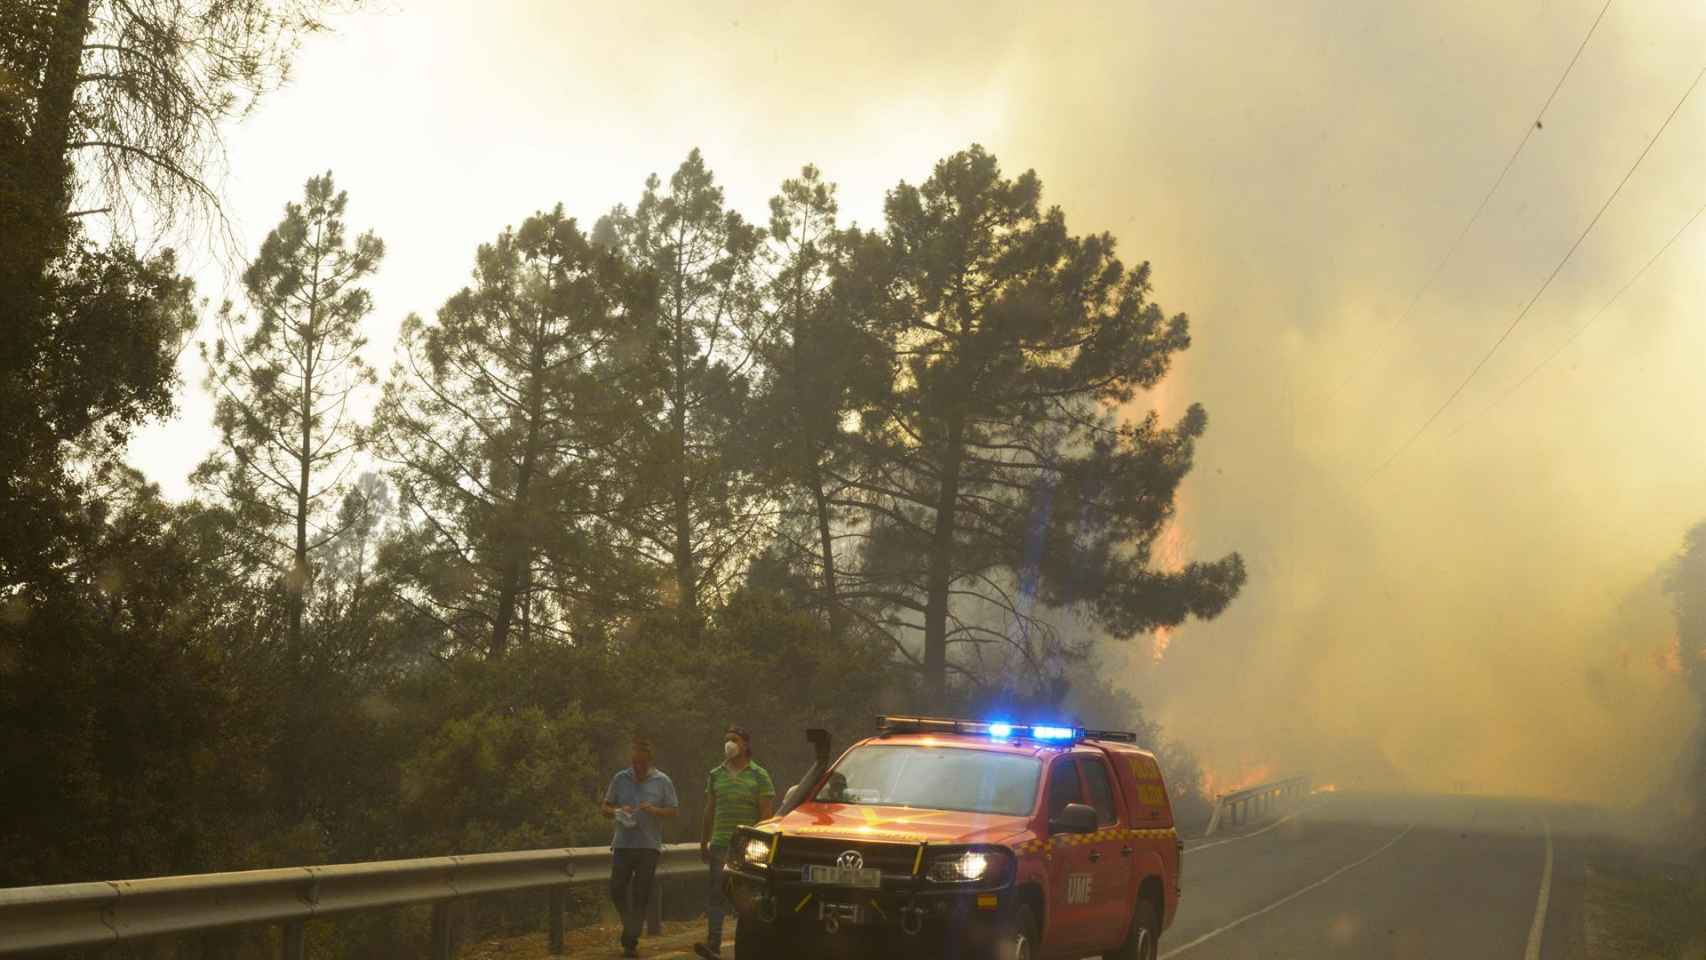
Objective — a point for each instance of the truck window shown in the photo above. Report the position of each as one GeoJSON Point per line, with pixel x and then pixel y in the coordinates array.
{"type": "Point", "coordinates": [1101, 789]}
{"type": "Point", "coordinates": [936, 778]}
{"type": "Point", "coordinates": [1063, 786]}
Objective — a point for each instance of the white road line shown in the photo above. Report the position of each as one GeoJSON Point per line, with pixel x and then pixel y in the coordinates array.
{"type": "Point", "coordinates": [1242, 836]}
{"type": "Point", "coordinates": [1287, 898]}
{"type": "Point", "coordinates": [1539, 926]}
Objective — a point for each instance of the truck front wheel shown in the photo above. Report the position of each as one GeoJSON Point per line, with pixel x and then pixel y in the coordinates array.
{"type": "Point", "coordinates": [757, 940]}
{"type": "Point", "coordinates": [1020, 940]}
{"type": "Point", "coordinates": [1144, 940]}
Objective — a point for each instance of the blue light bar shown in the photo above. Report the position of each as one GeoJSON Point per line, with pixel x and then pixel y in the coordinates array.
{"type": "Point", "coordinates": [996, 730]}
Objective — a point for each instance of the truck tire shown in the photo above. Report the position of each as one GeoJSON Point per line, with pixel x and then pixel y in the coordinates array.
{"type": "Point", "coordinates": [757, 940]}
{"type": "Point", "coordinates": [1143, 941]}
{"type": "Point", "coordinates": [1021, 940]}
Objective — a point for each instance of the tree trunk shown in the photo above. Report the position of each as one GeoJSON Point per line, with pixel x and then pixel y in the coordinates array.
{"type": "Point", "coordinates": [46, 181]}
{"type": "Point", "coordinates": [34, 198]}
{"type": "Point", "coordinates": [940, 573]}
{"type": "Point", "coordinates": [686, 577]}
{"type": "Point", "coordinates": [826, 546]}
{"type": "Point", "coordinates": [297, 589]}
{"type": "Point", "coordinates": [518, 558]}
{"type": "Point", "coordinates": [298, 586]}
{"type": "Point", "coordinates": [814, 476]}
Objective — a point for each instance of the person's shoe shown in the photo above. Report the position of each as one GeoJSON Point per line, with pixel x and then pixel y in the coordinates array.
{"type": "Point", "coordinates": [630, 950]}
{"type": "Point", "coordinates": [707, 953]}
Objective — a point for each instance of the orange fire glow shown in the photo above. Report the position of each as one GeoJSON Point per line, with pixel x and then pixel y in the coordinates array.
{"type": "Point", "coordinates": [1327, 788]}
{"type": "Point", "coordinates": [1669, 660]}
{"type": "Point", "coordinates": [1169, 552]}
{"type": "Point", "coordinates": [1249, 775]}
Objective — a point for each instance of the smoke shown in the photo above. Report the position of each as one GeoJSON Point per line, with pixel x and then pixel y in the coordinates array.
{"type": "Point", "coordinates": [1479, 616]}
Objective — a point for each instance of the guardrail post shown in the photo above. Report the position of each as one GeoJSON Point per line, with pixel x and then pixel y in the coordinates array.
{"type": "Point", "coordinates": [442, 948]}
{"type": "Point", "coordinates": [558, 898]}
{"type": "Point", "coordinates": [294, 946]}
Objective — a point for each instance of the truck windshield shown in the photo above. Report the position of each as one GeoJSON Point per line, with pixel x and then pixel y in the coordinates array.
{"type": "Point", "coordinates": [936, 778]}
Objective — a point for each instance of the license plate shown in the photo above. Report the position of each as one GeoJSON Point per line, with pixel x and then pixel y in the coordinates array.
{"type": "Point", "coordinates": [845, 877]}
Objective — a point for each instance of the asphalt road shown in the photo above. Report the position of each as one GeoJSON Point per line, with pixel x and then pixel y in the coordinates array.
{"type": "Point", "coordinates": [1388, 876]}
{"type": "Point", "coordinates": [1348, 875]}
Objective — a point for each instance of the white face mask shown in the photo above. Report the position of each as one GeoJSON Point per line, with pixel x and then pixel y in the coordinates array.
{"type": "Point", "coordinates": [731, 749]}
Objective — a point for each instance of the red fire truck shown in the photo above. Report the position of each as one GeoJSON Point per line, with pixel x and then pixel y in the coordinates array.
{"type": "Point", "coordinates": [958, 838]}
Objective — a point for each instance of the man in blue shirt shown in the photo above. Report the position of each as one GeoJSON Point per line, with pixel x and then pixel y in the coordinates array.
{"type": "Point", "coordinates": [639, 799]}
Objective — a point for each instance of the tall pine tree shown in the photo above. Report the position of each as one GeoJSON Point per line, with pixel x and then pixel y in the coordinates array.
{"type": "Point", "coordinates": [284, 378]}
{"type": "Point", "coordinates": [505, 419]}
{"type": "Point", "coordinates": [820, 365]}
{"type": "Point", "coordinates": [704, 510]}
{"type": "Point", "coordinates": [1001, 472]}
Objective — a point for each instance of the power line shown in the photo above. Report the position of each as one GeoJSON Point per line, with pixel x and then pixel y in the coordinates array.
{"type": "Point", "coordinates": [1584, 327]}
{"type": "Point", "coordinates": [1451, 251]}
{"type": "Point", "coordinates": [1549, 278]}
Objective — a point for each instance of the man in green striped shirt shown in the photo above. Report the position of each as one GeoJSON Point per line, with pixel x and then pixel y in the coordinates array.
{"type": "Point", "coordinates": [738, 793]}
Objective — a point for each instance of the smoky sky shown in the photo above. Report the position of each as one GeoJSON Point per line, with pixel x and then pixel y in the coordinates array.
{"type": "Point", "coordinates": [1483, 612]}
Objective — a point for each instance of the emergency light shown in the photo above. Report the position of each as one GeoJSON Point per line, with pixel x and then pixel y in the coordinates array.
{"type": "Point", "coordinates": [999, 730]}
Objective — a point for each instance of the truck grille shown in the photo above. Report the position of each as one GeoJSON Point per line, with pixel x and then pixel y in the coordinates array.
{"type": "Point", "coordinates": [893, 859]}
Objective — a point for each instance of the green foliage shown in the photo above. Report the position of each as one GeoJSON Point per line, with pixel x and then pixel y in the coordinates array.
{"type": "Point", "coordinates": [121, 708]}
{"type": "Point", "coordinates": [682, 473]}
{"type": "Point", "coordinates": [1004, 474]}
{"type": "Point", "coordinates": [284, 380]}
{"type": "Point", "coordinates": [505, 419]}
{"type": "Point", "coordinates": [510, 779]}
{"type": "Point", "coordinates": [82, 365]}
{"type": "Point", "coordinates": [820, 367]}
{"type": "Point", "coordinates": [697, 509]}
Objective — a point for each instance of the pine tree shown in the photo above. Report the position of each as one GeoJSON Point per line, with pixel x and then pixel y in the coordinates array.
{"type": "Point", "coordinates": [284, 378]}
{"type": "Point", "coordinates": [819, 367]}
{"type": "Point", "coordinates": [1000, 471]}
{"type": "Point", "coordinates": [704, 511]}
{"type": "Point", "coordinates": [504, 420]}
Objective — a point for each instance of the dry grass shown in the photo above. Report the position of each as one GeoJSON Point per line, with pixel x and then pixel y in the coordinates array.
{"type": "Point", "coordinates": [591, 941]}
{"type": "Point", "coordinates": [1645, 912]}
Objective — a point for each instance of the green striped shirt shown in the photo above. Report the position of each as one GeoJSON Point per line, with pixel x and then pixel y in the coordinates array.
{"type": "Point", "coordinates": [737, 796]}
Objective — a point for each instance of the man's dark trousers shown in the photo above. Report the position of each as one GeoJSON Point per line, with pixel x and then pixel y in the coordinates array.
{"type": "Point", "coordinates": [632, 866]}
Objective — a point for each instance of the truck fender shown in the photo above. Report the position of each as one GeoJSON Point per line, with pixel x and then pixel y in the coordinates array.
{"type": "Point", "coordinates": [1033, 875]}
{"type": "Point", "coordinates": [1147, 863]}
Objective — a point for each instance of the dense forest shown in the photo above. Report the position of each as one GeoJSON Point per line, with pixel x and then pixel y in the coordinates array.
{"type": "Point", "coordinates": [672, 468]}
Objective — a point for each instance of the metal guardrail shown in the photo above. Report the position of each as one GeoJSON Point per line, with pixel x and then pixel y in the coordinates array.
{"type": "Point", "coordinates": [91, 914]}
{"type": "Point", "coordinates": [1258, 800]}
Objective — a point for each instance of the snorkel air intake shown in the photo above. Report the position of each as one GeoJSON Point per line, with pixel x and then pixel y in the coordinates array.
{"type": "Point", "coordinates": [798, 792]}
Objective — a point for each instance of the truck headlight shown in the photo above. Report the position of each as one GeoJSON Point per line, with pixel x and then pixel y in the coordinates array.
{"type": "Point", "coordinates": [756, 850]}
{"type": "Point", "coordinates": [966, 867]}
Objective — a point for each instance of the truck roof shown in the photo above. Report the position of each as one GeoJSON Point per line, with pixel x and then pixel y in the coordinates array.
{"type": "Point", "coordinates": [1029, 748]}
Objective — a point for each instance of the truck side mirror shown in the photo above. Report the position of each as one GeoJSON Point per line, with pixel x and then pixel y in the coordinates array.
{"type": "Point", "coordinates": [1076, 818]}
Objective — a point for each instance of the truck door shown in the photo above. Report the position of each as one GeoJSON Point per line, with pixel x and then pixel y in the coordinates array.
{"type": "Point", "coordinates": [1071, 875]}
{"type": "Point", "coordinates": [1111, 854]}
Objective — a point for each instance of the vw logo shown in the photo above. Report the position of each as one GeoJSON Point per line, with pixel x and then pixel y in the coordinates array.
{"type": "Point", "coordinates": [851, 860]}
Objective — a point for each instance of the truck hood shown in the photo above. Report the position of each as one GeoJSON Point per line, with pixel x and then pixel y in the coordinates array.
{"type": "Point", "coordinates": [854, 821]}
